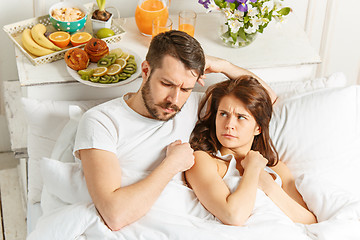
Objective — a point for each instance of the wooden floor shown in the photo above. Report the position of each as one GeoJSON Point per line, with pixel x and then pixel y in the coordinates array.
{"type": "Point", "coordinates": [13, 217]}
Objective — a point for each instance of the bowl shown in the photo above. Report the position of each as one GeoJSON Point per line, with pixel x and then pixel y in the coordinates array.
{"type": "Point", "coordinates": [67, 26]}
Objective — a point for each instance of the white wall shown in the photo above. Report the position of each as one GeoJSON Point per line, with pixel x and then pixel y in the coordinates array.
{"type": "Point", "coordinates": [332, 27]}
{"type": "Point", "coordinates": [12, 11]}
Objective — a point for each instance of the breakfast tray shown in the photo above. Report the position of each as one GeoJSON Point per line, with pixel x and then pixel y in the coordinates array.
{"type": "Point", "coordinates": [15, 30]}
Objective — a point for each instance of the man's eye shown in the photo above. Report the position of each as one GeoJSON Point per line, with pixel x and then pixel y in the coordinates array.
{"type": "Point", "coordinates": [166, 84]}
{"type": "Point", "coordinates": [185, 89]}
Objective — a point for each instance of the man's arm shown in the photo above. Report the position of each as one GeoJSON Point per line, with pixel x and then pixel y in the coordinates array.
{"type": "Point", "coordinates": [218, 65]}
{"type": "Point", "coordinates": [120, 206]}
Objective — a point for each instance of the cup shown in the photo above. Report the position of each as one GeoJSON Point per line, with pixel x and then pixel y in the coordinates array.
{"type": "Point", "coordinates": [147, 10]}
{"type": "Point", "coordinates": [159, 25]}
{"type": "Point", "coordinates": [187, 20]}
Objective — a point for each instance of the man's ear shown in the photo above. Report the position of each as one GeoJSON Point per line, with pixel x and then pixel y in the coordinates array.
{"type": "Point", "coordinates": [145, 70]}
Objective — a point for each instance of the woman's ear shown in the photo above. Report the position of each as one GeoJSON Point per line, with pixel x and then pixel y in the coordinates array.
{"type": "Point", "coordinates": [257, 130]}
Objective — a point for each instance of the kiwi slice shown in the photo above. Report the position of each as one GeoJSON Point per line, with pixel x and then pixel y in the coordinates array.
{"type": "Point", "coordinates": [104, 62]}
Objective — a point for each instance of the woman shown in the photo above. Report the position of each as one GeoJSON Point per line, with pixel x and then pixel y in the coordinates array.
{"type": "Point", "coordinates": [236, 126]}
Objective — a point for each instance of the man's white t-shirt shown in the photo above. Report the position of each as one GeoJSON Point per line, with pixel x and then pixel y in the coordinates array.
{"type": "Point", "coordinates": [138, 142]}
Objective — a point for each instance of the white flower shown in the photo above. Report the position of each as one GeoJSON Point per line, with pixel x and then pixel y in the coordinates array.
{"type": "Point", "coordinates": [251, 29]}
{"type": "Point", "coordinates": [212, 6]}
{"type": "Point", "coordinates": [267, 6]}
{"type": "Point", "coordinates": [252, 11]}
{"type": "Point", "coordinates": [235, 25]}
{"type": "Point", "coordinates": [238, 14]}
{"type": "Point", "coordinates": [228, 13]}
{"type": "Point", "coordinates": [256, 22]}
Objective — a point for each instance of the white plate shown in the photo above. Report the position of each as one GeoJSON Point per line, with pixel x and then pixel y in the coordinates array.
{"type": "Point", "coordinates": [138, 61]}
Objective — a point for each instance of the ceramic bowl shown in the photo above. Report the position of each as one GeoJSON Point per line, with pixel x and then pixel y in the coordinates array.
{"type": "Point", "coordinates": [69, 27]}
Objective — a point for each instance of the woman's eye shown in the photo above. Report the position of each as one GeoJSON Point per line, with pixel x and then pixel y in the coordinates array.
{"type": "Point", "coordinates": [223, 114]}
{"type": "Point", "coordinates": [241, 117]}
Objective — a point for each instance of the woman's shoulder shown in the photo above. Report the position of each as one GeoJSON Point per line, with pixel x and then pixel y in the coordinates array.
{"type": "Point", "coordinates": [203, 161]}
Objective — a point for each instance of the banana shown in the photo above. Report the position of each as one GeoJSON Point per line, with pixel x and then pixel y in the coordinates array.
{"type": "Point", "coordinates": [30, 45]}
{"type": "Point", "coordinates": [37, 33]}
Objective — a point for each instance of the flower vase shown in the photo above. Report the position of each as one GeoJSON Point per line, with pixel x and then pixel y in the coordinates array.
{"type": "Point", "coordinates": [238, 42]}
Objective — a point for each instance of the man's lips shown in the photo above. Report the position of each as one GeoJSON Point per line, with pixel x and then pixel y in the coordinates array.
{"type": "Point", "coordinates": [168, 110]}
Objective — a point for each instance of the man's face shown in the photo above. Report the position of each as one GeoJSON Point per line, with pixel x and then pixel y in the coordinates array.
{"type": "Point", "coordinates": [166, 89]}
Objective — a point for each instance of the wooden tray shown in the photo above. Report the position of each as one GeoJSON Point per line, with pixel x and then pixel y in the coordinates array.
{"type": "Point", "coordinates": [14, 31]}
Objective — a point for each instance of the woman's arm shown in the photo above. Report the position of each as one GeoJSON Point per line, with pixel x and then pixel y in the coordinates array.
{"type": "Point", "coordinates": [218, 65]}
{"type": "Point", "coordinates": [231, 208]}
{"type": "Point", "coordinates": [287, 198]}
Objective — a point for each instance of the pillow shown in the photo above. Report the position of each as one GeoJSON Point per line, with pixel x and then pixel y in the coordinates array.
{"type": "Point", "coordinates": [46, 119]}
{"type": "Point", "coordinates": [291, 88]}
{"type": "Point", "coordinates": [318, 133]}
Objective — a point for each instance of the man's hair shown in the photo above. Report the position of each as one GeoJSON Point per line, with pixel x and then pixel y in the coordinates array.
{"type": "Point", "coordinates": [179, 45]}
{"type": "Point", "coordinates": [257, 101]}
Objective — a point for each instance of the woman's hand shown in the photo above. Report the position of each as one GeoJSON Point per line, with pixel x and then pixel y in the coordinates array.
{"type": "Point", "coordinates": [212, 65]}
{"type": "Point", "coordinates": [266, 181]}
{"type": "Point", "coordinates": [254, 159]}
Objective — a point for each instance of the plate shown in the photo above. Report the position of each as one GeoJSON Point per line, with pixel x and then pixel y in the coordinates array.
{"type": "Point", "coordinates": [138, 61]}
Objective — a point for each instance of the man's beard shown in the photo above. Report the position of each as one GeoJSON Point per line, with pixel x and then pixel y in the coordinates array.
{"type": "Point", "coordinates": [150, 105]}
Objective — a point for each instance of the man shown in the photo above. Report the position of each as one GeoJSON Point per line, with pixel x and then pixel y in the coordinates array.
{"type": "Point", "coordinates": [124, 144]}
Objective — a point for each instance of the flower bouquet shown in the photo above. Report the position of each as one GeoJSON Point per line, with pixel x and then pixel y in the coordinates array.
{"type": "Point", "coordinates": [245, 18]}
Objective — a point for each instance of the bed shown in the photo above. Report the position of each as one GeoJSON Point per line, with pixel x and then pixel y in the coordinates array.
{"type": "Point", "coordinates": [315, 128]}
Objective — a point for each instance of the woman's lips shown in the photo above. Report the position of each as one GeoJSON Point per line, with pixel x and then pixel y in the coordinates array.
{"type": "Point", "coordinates": [228, 135]}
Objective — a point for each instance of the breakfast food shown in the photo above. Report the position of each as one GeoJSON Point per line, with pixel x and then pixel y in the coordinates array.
{"type": "Point", "coordinates": [67, 14]}
{"type": "Point", "coordinates": [96, 49]}
{"type": "Point", "coordinates": [60, 38]}
{"type": "Point", "coordinates": [37, 33]}
{"type": "Point", "coordinates": [80, 38]}
{"type": "Point", "coordinates": [111, 68]}
{"type": "Point", "coordinates": [31, 46]}
{"type": "Point", "coordinates": [76, 59]}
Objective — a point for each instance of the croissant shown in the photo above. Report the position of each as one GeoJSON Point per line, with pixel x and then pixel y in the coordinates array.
{"type": "Point", "coordinates": [96, 49]}
{"type": "Point", "coordinates": [76, 59]}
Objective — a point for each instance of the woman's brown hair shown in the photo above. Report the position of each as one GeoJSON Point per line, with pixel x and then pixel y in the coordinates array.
{"type": "Point", "coordinates": [257, 101]}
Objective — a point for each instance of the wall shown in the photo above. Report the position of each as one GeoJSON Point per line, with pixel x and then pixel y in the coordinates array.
{"type": "Point", "coordinates": [330, 25]}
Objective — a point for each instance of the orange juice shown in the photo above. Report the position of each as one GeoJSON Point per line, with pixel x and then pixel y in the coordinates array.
{"type": "Point", "coordinates": [158, 26]}
{"type": "Point", "coordinates": [188, 28]}
{"type": "Point", "coordinates": [146, 11]}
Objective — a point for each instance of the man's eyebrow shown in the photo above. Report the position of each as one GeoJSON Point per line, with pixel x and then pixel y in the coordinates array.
{"type": "Point", "coordinates": [172, 83]}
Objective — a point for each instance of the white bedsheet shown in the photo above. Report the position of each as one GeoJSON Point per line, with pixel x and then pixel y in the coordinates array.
{"type": "Point", "coordinates": [69, 213]}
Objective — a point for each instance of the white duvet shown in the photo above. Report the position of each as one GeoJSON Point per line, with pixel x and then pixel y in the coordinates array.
{"type": "Point", "coordinates": [316, 134]}
{"type": "Point", "coordinates": [70, 214]}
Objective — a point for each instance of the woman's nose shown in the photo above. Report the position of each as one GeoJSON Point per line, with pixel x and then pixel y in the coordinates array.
{"type": "Point", "coordinates": [230, 123]}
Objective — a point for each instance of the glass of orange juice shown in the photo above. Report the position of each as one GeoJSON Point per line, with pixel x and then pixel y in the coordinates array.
{"type": "Point", "coordinates": [147, 10]}
{"type": "Point", "coordinates": [159, 26]}
{"type": "Point", "coordinates": [187, 20]}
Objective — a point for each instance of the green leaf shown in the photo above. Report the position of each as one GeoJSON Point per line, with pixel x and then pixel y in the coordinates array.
{"type": "Point", "coordinates": [218, 2]}
{"type": "Point", "coordinates": [284, 11]}
{"type": "Point", "coordinates": [232, 6]}
{"type": "Point", "coordinates": [233, 36]}
{"type": "Point", "coordinates": [246, 19]}
{"type": "Point", "coordinates": [101, 4]}
{"type": "Point", "coordinates": [242, 33]}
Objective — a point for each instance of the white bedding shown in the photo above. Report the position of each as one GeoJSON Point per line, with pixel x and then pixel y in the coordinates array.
{"type": "Point", "coordinates": [317, 135]}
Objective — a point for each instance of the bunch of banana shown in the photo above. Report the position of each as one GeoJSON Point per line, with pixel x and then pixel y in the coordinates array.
{"type": "Point", "coordinates": [36, 42]}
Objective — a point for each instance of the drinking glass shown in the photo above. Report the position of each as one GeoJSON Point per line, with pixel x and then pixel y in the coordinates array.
{"type": "Point", "coordinates": [187, 20]}
{"type": "Point", "coordinates": [147, 10]}
{"type": "Point", "coordinates": [159, 26]}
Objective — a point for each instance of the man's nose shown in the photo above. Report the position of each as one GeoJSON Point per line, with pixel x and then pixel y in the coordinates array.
{"type": "Point", "coordinates": [173, 95]}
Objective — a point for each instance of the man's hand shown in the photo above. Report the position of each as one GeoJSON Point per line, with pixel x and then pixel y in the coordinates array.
{"type": "Point", "coordinates": [180, 156]}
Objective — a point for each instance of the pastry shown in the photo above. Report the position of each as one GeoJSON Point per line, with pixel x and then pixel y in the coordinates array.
{"type": "Point", "coordinates": [76, 59]}
{"type": "Point", "coordinates": [96, 49]}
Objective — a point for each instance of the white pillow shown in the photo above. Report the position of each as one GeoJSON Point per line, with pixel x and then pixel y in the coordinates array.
{"type": "Point", "coordinates": [318, 133]}
{"type": "Point", "coordinates": [46, 119]}
{"type": "Point", "coordinates": [291, 88]}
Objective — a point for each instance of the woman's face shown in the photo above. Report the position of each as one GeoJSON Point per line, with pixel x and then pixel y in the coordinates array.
{"type": "Point", "coordinates": [235, 125]}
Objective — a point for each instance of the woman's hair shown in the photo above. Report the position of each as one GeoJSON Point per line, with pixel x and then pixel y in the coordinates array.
{"type": "Point", "coordinates": [179, 45]}
{"type": "Point", "coordinates": [257, 101]}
